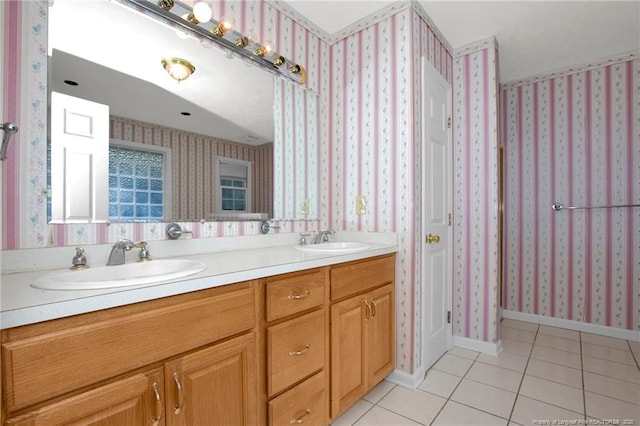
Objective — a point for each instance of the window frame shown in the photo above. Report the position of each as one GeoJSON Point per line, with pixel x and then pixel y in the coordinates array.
{"type": "Point", "coordinates": [249, 191]}
{"type": "Point", "coordinates": [167, 193]}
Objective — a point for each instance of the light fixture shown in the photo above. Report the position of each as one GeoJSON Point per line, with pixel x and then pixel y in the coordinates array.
{"type": "Point", "coordinates": [224, 25]}
{"type": "Point", "coordinates": [178, 69]}
{"type": "Point", "coordinates": [166, 4]}
{"type": "Point", "coordinates": [196, 21]}
{"type": "Point", "coordinates": [264, 49]}
{"type": "Point", "coordinates": [201, 12]}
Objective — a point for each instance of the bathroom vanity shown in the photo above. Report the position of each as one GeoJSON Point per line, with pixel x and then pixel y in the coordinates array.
{"type": "Point", "coordinates": [285, 348]}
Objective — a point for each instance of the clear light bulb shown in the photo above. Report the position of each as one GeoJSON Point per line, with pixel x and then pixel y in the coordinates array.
{"type": "Point", "coordinates": [202, 11]}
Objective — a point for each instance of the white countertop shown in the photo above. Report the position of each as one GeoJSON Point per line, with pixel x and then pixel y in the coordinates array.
{"type": "Point", "coordinates": [21, 304]}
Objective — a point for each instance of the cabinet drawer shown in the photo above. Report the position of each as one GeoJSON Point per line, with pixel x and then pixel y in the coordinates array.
{"type": "Point", "coordinates": [357, 277]}
{"type": "Point", "coordinates": [295, 349]}
{"type": "Point", "coordinates": [74, 357]}
{"type": "Point", "coordinates": [304, 404]}
{"type": "Point", "coordinates": [294, 293]}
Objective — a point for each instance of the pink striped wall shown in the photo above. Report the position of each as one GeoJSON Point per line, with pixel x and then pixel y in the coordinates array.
{"type": "Point", "coordinates": [574, 139]}
{"type": "Point", "coordinates": [373, 143]}
{"type": "Point", "coordinates": [24, 30]}
{"type": "Point", "coordinates": [297, 153]}
{"type": "Point", "coordinates": [194, 163]}
{"type": "Point", "coordinates": [475, 218]}
{"type": "Point", "coordinates": [11, 109]}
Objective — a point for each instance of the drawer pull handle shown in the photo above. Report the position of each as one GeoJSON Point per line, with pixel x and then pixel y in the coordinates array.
{"type": "Point", "coordinates": [301, 418]}
{"type": "Point", "coordinates": [367, 312]}
{"type": "Point", "coordinates": [299, 296]}
{"type": "Point", "coordinates": [180, 395]}
{"type": "Point", "coordinates": [306, 349]}
{"type": "Point", "coordinates": [373, 307]}
{"type": "Point", "coordinates": [158, 416]}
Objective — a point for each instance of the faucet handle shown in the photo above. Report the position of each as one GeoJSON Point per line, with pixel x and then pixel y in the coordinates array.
{"type": "Point", "coordinates": [79, 260]}
{"type": "Point", "coordinates": [144, 254]}
{"type": "Point", "coordinates": [303, 238]}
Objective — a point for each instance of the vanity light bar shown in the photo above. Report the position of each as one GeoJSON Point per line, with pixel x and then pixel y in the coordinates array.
{"type": "Point", "coordinates": [231, 40]}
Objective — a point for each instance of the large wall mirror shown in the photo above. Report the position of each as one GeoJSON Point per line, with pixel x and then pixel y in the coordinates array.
{"type": "Point", "coordinates": [233, 141]}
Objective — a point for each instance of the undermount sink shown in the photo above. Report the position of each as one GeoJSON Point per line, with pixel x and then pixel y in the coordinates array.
{"type": "Point", "coordinates": [334, 247]}
{"type": "Point", "coordinates": [135, 273]}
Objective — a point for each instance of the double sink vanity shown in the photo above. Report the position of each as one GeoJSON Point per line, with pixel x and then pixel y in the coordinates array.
{"type": "Point", "coordinates": [274, 334]}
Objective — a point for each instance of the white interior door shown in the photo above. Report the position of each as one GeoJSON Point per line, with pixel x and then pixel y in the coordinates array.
{"type": "Point", "coordinates": [436, 262]}
{"type": "Point", "coordinates": [79, 160]}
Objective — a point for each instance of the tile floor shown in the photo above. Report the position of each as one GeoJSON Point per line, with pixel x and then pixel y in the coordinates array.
{"type": "Point", "coordinates": [544, 376]}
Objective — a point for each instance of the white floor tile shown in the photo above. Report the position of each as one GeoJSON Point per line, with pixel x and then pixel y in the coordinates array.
{"type": "Point", "coordinates": [464, 353]}
{"type": "Point", "coordinates": [517, 334]}
{"type": "Point", "coordinates": [350, 416]}
{"type": "Point", "coordinates": [495, 376]}
{"type": "Point", "coordinates": [559, 332]}
{"type": "Point", "coordinates": [555, 372]}
{"type": "Point", "coordinates": [487, 398]}
{"type": "Point", "coordinates": [558, 343]}
{"type": "Point", "coordinates": [377, 393]}
{"type": "Point", "coordinates": [440, 383]}
{"type": "Point", "coordinates": [521, 325]}
{"type": "Point", "coordinates": [378, 416]}
{"type": "Point", "coordinates": [602, 407]}
{"type": "Point", "coordinates": [453, 365]}
{"type": "Point", "coordinates": [616, 355]}
{"type": "Point", "coordinates": [568, 359]}
{"type": "Point", "coordinates": [553, 393]}
{"type": "Point", "coordinates": [613, 388]}
{"type": "Point", "coordinates": [454, 414]}
{"type": "Point", "coordinates": [610, 342]}
{"type": "Point", "coordinates": [418, 406]}
{"type": "Point", "coordinates": [516, 347]}
{"type": "Point", "coordinates": [505, 360]}
{"type": "Point", "coordinates": [617, 370]}
{"type": "Point", "coordinates": [529, 411]}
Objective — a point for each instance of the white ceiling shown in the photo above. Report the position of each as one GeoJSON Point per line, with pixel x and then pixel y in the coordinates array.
{"type": "Point", "coordinates": [534, 37]}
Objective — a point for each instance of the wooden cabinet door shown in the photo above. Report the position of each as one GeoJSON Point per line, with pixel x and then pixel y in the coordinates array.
{"type": "Point", "coordinates": [214, 386]}
{"type": "Point", "coordinates": [380, 347]}
{"type": "Point", "coordinates": [348, 373]}
{"type": "Point", "coordinates": [136, 400]}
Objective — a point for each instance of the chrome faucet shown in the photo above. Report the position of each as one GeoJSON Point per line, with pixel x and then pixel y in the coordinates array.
{"type": "Point", "coordinates": [323, 236]}
{"type": "Point", "coordinates": [117, 252]}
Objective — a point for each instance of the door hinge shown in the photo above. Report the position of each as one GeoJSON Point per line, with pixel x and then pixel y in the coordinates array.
{"type": "Point", "coordinates": [450, 220]}
{"type": "Point", "coordinates": [448, 317]}
{"type": "Point", "coordinates": [449, 122]}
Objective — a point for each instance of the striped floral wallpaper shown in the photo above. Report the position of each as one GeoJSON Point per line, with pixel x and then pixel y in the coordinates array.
{"type": "Point", "coordinates": [475, 217]}
{"type": "Point", "coordinates": [297, 153]}
{"type": "Point", "coordinates": [193, 169]}
{"type": "Point", "coordinates": [373, 129]}
{"type": "Point", "coordinates": [574, 139]}
{"type": "Point", "coordinates": [24, 38]}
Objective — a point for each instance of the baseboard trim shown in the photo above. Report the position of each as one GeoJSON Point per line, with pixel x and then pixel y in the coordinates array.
{"type": "Point", "coordinates": [407, 380]}
{"type": "Point", "coordinates": [478, 345]}
{"type": "Point", "coordinates": [573, 325]}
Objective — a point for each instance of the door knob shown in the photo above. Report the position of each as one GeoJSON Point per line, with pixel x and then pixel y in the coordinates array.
{"type": "Point", "coordinates": [433, 239]}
